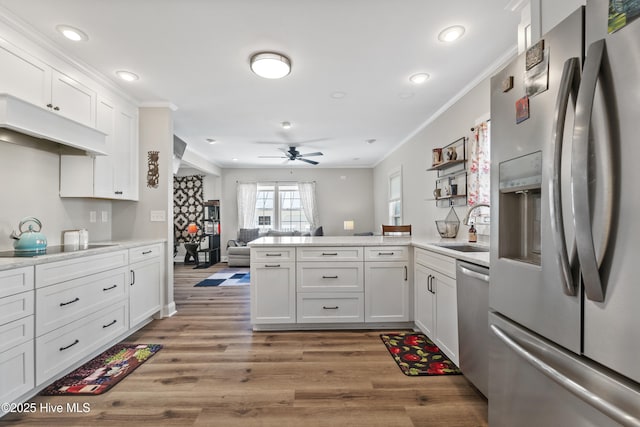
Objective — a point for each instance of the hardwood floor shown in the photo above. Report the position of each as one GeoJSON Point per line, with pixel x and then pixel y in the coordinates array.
{"type": "Point", "coordinates": [214, 371]}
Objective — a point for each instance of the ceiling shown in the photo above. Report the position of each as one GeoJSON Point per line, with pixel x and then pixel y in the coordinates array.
{"type": "Point", "coordinates": [195, 55]}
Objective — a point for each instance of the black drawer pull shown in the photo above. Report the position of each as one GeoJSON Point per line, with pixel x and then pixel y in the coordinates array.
{"type": "Point", "coordinates": [272, 265]}
{"type": "Point", "coordinates": [118, 192]}
{"type": "Point", "coordinates": [330, 308]}
{"type": "Point", "coordinates": [70, 345]}
{"type": "Point", "coordinates": [273, 254]}
{"type": "Point", "coordinates": [146, 252]}
{"type": "Point", "coordinates": [385, 253]}
{"type": "Point", "coordinates": [329, 277]}
{"type": "Point", "coordinates": [329, 253]}
{"type": "Point", "coordinates": [109, 288]}
{"type": "Point", "coordinates": [110, 324]}
{"type": "Point", "coordinates": [62, 304]}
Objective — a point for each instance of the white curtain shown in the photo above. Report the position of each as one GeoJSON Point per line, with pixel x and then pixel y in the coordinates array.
{"type": "Point", "coordinates": [307, 192]}
{"type": "Point", "coordinates": [247, 196]}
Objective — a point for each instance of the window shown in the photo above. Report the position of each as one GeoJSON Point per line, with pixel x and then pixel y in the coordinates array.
{"type": "Point", "coordinates": [278, 206]}
{"type": "Point", "coordinates": [395, 198]}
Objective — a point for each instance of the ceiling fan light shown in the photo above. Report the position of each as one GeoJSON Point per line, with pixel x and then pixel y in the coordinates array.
{"type": "Point", "coordinates": [270, 65]}
{"type": "Point", "coordinates": [286, 125]}
{"type": "Point", "coordinates": [451, 34]}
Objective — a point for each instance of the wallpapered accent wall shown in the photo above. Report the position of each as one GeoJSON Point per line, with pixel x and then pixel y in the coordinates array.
{"type": "Point", "coordinates": [188, 205]}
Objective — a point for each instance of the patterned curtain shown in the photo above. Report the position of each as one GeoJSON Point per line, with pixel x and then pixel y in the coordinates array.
{"type": "Point", "coordinates": [478, 181]}
{"type": "Point", "coordinates": [188, 206]}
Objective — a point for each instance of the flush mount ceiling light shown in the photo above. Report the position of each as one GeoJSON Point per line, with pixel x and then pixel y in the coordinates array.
{"type": "Point", "coordinates": [451, 33]}
{"type": "Point", "coordinates": [286, 125]}
{"type": "Point", "coordinates": [270, 65]}
{"type": "Point", "coordinates": [127, 76]}
{"type": "Point", "coordinates": [72, 33]}
{"type": "Point", "coordinates": [419, 78]}
{"type": "Point", "coordinates": [338, 95]}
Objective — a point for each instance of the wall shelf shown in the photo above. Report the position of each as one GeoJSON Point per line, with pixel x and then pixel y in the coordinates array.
{"type": "Point", "coordinates": [452, 175]}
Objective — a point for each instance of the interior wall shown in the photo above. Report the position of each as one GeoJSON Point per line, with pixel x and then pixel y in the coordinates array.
{"type": "Point", "coordinates": [30, 178]}
{"type": "Point", "coordinates": [342, 194]}
{"type": "Point", "coordinates": [414, 157]}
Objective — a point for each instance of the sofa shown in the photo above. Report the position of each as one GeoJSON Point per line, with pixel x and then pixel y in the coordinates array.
{"type": "Point", "coordinates": [238, 253]}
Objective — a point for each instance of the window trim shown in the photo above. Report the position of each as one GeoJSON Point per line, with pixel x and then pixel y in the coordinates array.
{"type": "Point", "coordinates": [276, 219]}
{"type": "Point", "coordinates": [394, 173]}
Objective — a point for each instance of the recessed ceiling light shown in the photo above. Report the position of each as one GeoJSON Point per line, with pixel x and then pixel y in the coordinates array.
{"type": "Point", "coordinates": [211, 141]}
{"type": "Point", "coordinates": [72, 33]}
{"type": "Point", "coordinates": [127, 76]}
{"type": "Point", "coordinates": [286, 125]}
{"type": "Point", "coordinates": [419, 78]}
{"type": "Point", "coordinates": [451, 33]}
{"type": "Point", "coordinates": [270, 65]}
{"type": "Point", "coordinates": [338, 95]}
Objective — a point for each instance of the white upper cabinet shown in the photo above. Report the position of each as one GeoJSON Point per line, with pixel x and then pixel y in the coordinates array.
{"type": "Point", "coordinates": [24, 76]}
{"type": "Point", "coordinates": [72, 99]}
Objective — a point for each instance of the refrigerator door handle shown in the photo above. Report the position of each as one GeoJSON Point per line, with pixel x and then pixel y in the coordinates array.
{"type": "Point", "coordinates": [569, 85]}
{"type": "Point", "coordinates": [589, 260]}
{"type": "Point", "coordinates": [579, 386]}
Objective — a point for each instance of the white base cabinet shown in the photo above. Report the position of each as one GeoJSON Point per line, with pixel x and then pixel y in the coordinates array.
{"type": "Point", "coordinates": [387, 284]}
{"type": "Point", "coordinates": [273, 292]}
{"type": "Point", "coordinates": [144, 290]}
{"type": "Point", "coordinates": [435, 299]}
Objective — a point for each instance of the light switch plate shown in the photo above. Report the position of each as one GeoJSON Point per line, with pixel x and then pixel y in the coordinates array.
{"type": "Point", "coordinates": [158, 216]}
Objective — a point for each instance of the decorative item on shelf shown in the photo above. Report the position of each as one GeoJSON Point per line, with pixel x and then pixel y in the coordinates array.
{"type": "Point", "coordinates": [454, 189]}
{"type": "Point", "coordinates": [192, 229]}
{"type": "Point", "coordinates": [452, 154]}
{"type": "Point", "coordinates": [437, 193]}
{"type": "Point", "coordinates": [437, 156]}
{"type": "Point", "coordinates": [448, 228]}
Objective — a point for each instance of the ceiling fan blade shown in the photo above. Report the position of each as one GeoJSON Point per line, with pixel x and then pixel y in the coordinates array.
{"type": "Point", "coordinates": [271, 157]}
{"type": "Point", "coordinates": [317, 153]}
{"type": "Point", "coordinates": [308, 161]}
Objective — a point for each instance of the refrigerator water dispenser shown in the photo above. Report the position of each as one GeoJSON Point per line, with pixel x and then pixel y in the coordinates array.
{"type": "Point", "coordinates": [520, 208]}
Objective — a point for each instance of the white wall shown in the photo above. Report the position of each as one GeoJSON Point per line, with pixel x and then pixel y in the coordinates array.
{"type": "Point", "coordinates": [414, 157]}
{"type": "Point", "coordinates": [554, 11]}
{"type": "Point", "coordinates": [29, 186]}
{"type": "Point", "coordinates": [342, 194]}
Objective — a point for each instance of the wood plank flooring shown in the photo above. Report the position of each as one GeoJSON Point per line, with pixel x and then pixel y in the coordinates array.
{"type": "Point", "coordinates": [215, 371]}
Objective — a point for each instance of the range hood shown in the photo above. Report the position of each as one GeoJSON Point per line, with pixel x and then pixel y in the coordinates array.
{"type": "Point", "coordinates": [30, 119]}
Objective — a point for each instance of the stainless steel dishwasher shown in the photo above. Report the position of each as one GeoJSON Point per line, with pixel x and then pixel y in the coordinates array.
{"type": "Point", "coordinates": [473, 323]}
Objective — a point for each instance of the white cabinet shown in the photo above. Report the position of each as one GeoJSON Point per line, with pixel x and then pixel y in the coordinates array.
{"type": "Point", "coordinates": [273, 287]}
{"type": "Point", "coordinates": [146, 273]}
{"type": "Point", "coordinates": [36, 82]}
{"type": "Point", "coordinates": [114, 176]}
{"type": "Point", "coordinates": [387, 284]}
{"type": "Point", "coordinates": [16, 333]}
{"type": "Point", "coordinates": [436, 306]}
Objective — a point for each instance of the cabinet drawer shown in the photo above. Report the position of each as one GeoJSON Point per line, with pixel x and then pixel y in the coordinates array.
{"type": "Point", "coordinates": [442, 263]}
{"type": "Point", "coordinates": [273, 254]}
{"type": "Point", "coordinates": [56, 272]}
{"type": "Point", "coordinates": [58, 350]}
{"type": "Point", "coordinates": [16, 333]}
{"type": "Point", "coordinates": [143, 253]}
{"type": "Point", "coordinates": [335, 253]}
{"type": "Point", "coordinates": [330, 308]}
{"type": "Point", "coordinates": [16, 371]}
{"type": "Point", "coordinates": [15, 281]}
{"type": "Point", "coordinates": [16, 307]}
{"type": "Point", "coordinates": [68, 301]}
{"type": "Point", "coordinates": [330, 276]}
{"type": "Point", "coordinates": [386, 253]}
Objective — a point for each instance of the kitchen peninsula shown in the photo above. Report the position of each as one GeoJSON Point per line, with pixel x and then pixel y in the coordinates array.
{"type": "Point", "coordinates": [340, 282]}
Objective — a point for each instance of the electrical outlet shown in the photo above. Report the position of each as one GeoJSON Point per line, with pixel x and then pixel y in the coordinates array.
{"type": "Point", "coordinates": [92, 216]}
{"type": "Point", "coordinates": [105, 216]}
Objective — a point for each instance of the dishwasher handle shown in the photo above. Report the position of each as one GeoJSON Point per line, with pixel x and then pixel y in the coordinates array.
{"type": "Point", "coordinates": [474, 274]}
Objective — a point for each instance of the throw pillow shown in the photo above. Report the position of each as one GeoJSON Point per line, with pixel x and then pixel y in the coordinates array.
{"type": "Point", "coordinates": [248, 234]}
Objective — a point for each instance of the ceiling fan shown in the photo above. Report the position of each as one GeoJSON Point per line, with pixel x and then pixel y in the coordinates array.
{"type": "Point", "coordinates": [293, 154]}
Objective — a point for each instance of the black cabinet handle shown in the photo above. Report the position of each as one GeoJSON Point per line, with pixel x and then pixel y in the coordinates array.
{"type": "Point", "coordinates": [147, 252]}
{"type": "Point", "coordinates": [56, 108]}
{"type": "Point", "coordinates": [329, 277]}
{"type": "Point", "coordinates": [329, 253]}
{"type": "Point", "coordinates": [133, 277]}
{"type": "Point", "coordinates": [385, 253]}
{"type": "Point", "coordinates": [69, 346]}
{"type": "Point", "coordinates": [110, 324]}
{"type": "Point", "coordinates": [330, 308]}
{"type": "Point", "coordinates": [109, 288]}
{"type": "Point", "coordinates": [118, 192]}
{"type": "Point", "coordinates": [406, 273]}
{"type": "Point", "coordinates": [49, 105]}
{"type": "Point", "coordinates": [273, 254]}
{"type": "Point", "coordinates": [62, 304]}
{"type": "Point", "coordinates": [272, 265]}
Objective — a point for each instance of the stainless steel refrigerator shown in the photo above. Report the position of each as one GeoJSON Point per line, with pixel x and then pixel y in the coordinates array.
{"type": "Point", "coordinates": [564, 316]}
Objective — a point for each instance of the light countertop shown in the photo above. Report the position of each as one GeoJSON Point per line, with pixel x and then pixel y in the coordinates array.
{"type": "Point", "coordinates": [9, 263]}
{"type": "Point", "coordinates": [479, 258]}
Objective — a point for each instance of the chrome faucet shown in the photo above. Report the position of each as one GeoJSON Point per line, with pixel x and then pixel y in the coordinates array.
{"type": "Point", "coordinates": [465, 221]}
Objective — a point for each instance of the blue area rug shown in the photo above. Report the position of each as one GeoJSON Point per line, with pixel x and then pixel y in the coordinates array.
{"type": "Point", "coordinates": [227, 277]}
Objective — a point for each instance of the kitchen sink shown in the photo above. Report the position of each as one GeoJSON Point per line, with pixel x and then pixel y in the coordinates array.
{"type": "Point", "coordinates": [464, 248]}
